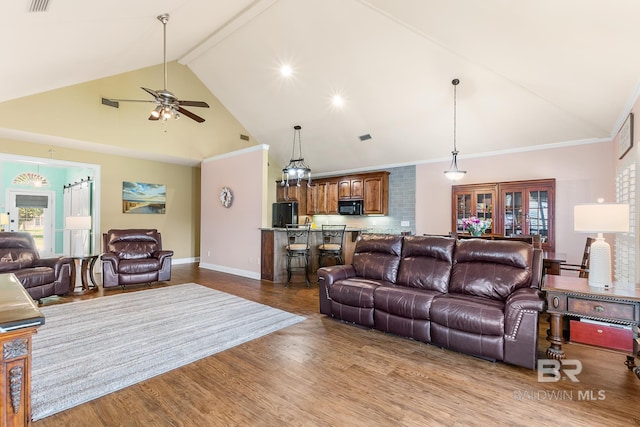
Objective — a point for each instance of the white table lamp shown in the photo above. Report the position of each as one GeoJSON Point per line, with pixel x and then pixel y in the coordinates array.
{"type": "Point", "coordinates": [601, 218]}
{"type": "Point", "coordinates": [76, 224]}
{"type": "Point", "coordinates": [4, 221]}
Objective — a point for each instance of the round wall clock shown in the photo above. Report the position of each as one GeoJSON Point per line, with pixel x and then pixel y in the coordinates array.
{"type": "Point", "coordinates": [225, 197]}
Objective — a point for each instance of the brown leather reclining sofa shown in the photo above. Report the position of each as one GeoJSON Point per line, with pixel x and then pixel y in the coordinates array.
{"type": "Point", "coordinates": [474, 296]}
{"type": "Point", "coordinates": [41, 277]}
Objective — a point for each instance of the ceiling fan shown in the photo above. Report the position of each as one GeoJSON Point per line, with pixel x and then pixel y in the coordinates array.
{"type": "Point", "coordinates": [169, 106]}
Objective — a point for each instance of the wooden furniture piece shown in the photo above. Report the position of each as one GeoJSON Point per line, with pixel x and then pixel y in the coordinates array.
{"type": "Point", "coordinates": [87, 276]}
{"type": "Point", "coordinates": [298, 248]}
{"type": "Point", "coordinates": [583, 267]}
{"type": "Point", "coordinates": [332, 241]}
{"type": "Point", "coordinates": [514, 208]}
{"type": "Point", "coordinates": [572, 297]}
{"type": "Point", "coordinates": [19, 319]}
{"type": "Point", "coordinates": [551, 262]}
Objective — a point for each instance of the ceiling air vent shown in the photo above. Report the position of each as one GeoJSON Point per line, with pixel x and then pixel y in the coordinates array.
{"type": "Point", "coordinates": [365, 137]}
{"type": "Point", "coordinates": [38, 6]}
{"type": "Point", "coordinates": [244, 137]}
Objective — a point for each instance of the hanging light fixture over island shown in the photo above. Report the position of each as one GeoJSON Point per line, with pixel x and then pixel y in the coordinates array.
{"type": "Point", "coordinates": [297, 169]}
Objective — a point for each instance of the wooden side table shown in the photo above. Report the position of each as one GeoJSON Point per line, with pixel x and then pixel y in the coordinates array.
{"type": "Point", "coordinates": [87, 276]}
{"type": "Point", "coordinates": [19, 319]}
{"type": "Point", "coordinates": [572, 296]}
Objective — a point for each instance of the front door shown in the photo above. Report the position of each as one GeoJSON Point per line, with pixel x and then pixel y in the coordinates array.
{"type": "Point", "coordinates": [33, 211]}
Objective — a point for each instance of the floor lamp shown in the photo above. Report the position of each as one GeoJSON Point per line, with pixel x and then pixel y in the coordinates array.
{"type": "Point", "coordinates": [75, 225]}
{"type": "Point", "coordinates": [601, 218]}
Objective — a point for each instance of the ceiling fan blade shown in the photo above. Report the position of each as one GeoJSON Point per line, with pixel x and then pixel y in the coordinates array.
{"type": "Point", "coordinates": [194, 104]}
{"type": "Point", "coordinates": [190, 115]}
{"type": "Point", "coordinates": [151, 92]}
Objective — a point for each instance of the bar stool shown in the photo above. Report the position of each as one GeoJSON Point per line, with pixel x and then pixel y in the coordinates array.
{"type": "Point", "coordinates": [298, 248]}
{"type": "Point", "coordinates": [331, 246]}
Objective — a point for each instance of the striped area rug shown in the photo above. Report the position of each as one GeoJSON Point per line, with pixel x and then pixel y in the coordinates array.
{"type": "Point", "coordinates": [90, 348]}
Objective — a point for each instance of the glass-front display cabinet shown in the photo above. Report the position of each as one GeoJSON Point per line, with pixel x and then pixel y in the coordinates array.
{"type": "Point", "coordinates": [473, 200]}
{"type": "Point", "coordinates": [514, 208]}
{"type": "Point", "coordinates": [528, 209]}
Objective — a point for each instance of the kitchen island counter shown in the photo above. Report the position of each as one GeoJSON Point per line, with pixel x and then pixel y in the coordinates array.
{"type": "Point", "coordinates": [273, 264]}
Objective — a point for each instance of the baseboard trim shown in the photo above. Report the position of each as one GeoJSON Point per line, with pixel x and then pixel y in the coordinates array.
{"type": "Point", "coordinates": [234, 271]}
{"type": "Point", "coordinates": [191, 260]}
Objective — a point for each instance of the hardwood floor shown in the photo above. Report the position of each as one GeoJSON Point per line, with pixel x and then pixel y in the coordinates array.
{"type": "Point", "coordinates": [322, 372]}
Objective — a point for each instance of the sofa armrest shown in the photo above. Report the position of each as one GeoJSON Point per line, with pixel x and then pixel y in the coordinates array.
{"type": "Point", "coordinates": [327, 276]}
{"type": "Point", "coordinates": [519, 303]}
{"type": "Point", "coordinates": [55, 263]}
{"type": "Point", "coordinates": [110, 258]}
{"type": "Point", "coordinates": [161, 255]}
{"type": "Point", "coordinates": [330, 275]}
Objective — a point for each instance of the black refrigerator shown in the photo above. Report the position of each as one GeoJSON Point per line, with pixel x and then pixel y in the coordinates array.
{"type": "Point", "coordinates": [285, 213]}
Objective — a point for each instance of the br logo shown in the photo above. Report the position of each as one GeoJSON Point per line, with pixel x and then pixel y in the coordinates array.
{"type": "Point", "coordinates": [551, 370]}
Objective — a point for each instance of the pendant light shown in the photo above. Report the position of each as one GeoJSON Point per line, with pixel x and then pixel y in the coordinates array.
{"type": "Point", "coordinates": [297, 169]}
{"type": "Point", "coordinates": [454, 173]}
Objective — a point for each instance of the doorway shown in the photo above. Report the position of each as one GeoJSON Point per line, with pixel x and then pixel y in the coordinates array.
{"type": "Point", "coordinates": [33, 211]}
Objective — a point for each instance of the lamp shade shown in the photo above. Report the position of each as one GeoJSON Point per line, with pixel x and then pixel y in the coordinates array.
{"type": "Point", "coordinates": [77, 223]}
{"type": "Point", "coordinates": [601, 218]}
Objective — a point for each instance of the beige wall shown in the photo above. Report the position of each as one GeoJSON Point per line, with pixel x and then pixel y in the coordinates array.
{"type": "Point", "coordinates": [127, 146]}
{"type": "Point", "coordinates": [582, 172]}
{"type": "Point", "coordinates": [179, 225]}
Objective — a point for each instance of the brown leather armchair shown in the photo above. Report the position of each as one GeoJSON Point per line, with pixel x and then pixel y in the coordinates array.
{"type": "Point", "coordinates": [134, 256]}
{"type": "Point", "coordinates": [41, 277]}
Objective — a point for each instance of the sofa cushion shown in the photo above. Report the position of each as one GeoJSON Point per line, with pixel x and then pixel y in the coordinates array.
{"type": "Point", "coordinates": [16, 259]}
{"type": "Point", "coordinates": [409, 303]}
{"type": "Point", "coordinates": [354, 292]}
{"type": "Point", "coordinates": [136, 266]}
{"type": "Point", "coordinates": [468, 313]}
{"type": "Point", "coordinates": [377, 257]}
{"type": "Point", "coordinates": [36, 276]}
{"type": "Point", "coordinates": [491, 268]}
{"type": "Point", "coordinates": [132, 244]}
{"type": "Point", "coordinates": [426, 262]}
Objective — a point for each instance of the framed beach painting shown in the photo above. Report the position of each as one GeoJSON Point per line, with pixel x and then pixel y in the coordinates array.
{"type": "Point", "coordinates": [142, 198]}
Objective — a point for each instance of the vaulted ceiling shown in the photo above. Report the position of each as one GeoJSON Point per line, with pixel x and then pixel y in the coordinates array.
{"type": "Point", "coordinates": [532, 73]}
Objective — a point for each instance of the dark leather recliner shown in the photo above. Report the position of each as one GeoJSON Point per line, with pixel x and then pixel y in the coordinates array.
{"type": "Point", "coordinates": [134, 256]}
{"type": "Point", "coordinates": [41, 277]}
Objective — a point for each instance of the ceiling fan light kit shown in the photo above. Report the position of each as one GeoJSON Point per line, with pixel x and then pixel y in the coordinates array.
{"type": "Point", "coordinates": [169, 106]}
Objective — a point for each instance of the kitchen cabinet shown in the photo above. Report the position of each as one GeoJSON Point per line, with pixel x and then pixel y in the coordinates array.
{"type": "Point", "coordinates": [514, 208]}
{"type": "Point", "coordinates": [375, 193]}
{"type": "Point", "coordinates": [322, 196]}
{"type": "Point", "coordinates": [350, 188]}
{"type": "Point", "coordinates": [312, 199]}
{"type": "Point", "coordinates": [474, 200]}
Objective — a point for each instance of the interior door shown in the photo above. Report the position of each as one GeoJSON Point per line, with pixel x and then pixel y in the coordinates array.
{"type": "Point", "coordinates": [33, 211]}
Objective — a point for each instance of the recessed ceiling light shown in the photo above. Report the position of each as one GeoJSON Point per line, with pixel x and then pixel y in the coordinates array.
{"type": "Point", "coordinates": [286, 70]}
{"type": "Point", "coordinates": [337, 100]}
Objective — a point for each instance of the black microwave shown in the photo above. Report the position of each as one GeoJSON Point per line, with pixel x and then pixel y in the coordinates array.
{"type": "Point", "coordinates": [350, 207]}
